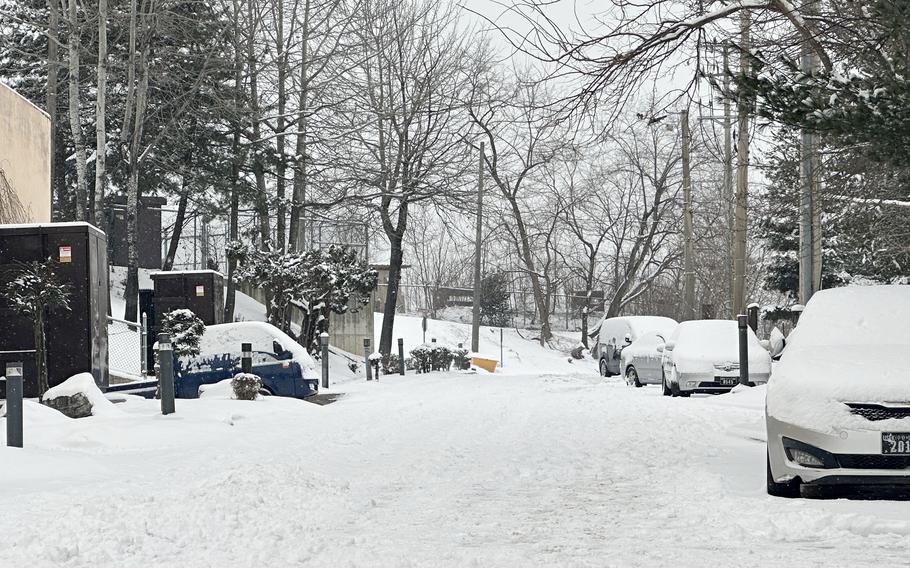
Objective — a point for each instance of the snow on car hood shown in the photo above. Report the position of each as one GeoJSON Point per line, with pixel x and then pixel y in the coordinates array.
{"type": "Point", "coordinates": [811, 384]}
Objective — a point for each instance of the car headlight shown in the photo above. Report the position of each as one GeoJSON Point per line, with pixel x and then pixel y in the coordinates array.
{"type": "Point", "coordinates": [808, 456]}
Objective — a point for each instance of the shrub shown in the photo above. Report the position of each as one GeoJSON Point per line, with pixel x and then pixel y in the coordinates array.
{"type": "Point", "coordinates": [246, 386]}
{"type": "Point", "coordinates": [461, 359]}
{"type": "Point", "coordinates": [432, 357]}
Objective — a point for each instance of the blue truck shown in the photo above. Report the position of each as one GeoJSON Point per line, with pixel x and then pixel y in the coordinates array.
{"type": "Point", "coordinates": [284, 367]}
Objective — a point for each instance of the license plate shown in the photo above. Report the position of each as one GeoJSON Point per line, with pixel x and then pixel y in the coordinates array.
{"type": "Point", "coordinates": [727, 381]}
{"type": "Point", "coordinates": [896, 442]}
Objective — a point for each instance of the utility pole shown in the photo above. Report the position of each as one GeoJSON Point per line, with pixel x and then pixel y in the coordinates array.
{"type": "Point", "coordinates": [728, 172]}
{"type": "Point", "coordinates": [809, 214]}
{"type": "Point", "coordinates": [740, 219]}
{"type": "Point", "coordinates": [688, 250]}
{"type": "Point", "coordinates": [478, 234]}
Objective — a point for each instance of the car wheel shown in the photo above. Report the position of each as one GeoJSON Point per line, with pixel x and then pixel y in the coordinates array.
{"type": "Point", "coordinates": [788, 490]}
{"type": "Point", "coordinates": [674, 386]}
{"type": "Point", "coordinates": [604, 371]}
{"type": "Point", "coordinates": [632, 377]}
{"type": "Point", "coordinates": [663, 384]}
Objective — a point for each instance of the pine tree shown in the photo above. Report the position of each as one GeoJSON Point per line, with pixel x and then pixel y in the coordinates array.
{"type": "Point", "coordinates": [186, 331]}
{"type": "Point", "coordinates": [494, 300]}
{"type": "Point", "coordinates": [35, 291]}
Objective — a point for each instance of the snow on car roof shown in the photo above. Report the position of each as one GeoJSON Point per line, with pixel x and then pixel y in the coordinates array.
{"type": "Point", "coordinates": [228, 337]}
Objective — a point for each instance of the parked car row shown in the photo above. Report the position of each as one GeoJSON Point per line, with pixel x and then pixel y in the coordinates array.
{"type": "Point", "coordinates": [699, 356]}
{"type": "Point", "coordinates": [838, 403]}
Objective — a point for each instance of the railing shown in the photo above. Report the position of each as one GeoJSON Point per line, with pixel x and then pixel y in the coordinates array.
{"type": "Point", "coordinates": [126, 348]}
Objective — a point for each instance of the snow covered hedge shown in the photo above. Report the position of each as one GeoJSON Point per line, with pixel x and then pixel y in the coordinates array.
{"type": "Point", "coordinates": [246, 386]}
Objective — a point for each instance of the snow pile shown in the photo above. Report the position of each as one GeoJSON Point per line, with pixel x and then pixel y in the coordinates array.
{"type": "Point", "coordinates": [851, 345]}
{"type": "Point", "coordinates": [84, 384]}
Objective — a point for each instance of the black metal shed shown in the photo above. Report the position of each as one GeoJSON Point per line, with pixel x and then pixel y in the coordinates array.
{"type": "Point", "coordinates": [76, 339]}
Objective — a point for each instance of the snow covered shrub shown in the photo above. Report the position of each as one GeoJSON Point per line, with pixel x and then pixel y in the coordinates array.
{"type": "Point", "coordinates": [460, 359]}
{"type": "Point", "coordinates": [34, 290]}
{"type": "Point", "coordinates": [390, 365]}
{"type": "Point", "coordinates": [185, 329]}
{"type": "Point", "coordinates": [441, 357]}
{"type": "Point", "coordinates": [420, 356]}
{"type": "Point", "coordinates": [246, 386]}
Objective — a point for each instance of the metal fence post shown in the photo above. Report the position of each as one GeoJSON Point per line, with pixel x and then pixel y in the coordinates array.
{"type": "Point", "coordinates": [143, 343]}
{"type": "Point", "coordinates": [246, 358]}
{"type": "Point", "coordinates": [324, 341]}
{"type": "Point", "coordinates": [742, 322]}
{"type": "Point", "coordinates": [166, 373]}
{"type": "Point", "coordinates": [14, 404]}
{"type": "Point", "coordinates": [401, 356]}
{"type": "Point", "coordinates": [366, 358]}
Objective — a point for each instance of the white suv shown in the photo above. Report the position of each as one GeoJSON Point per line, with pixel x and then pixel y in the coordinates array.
{"type": "Point", "coordinates": [838, 404]}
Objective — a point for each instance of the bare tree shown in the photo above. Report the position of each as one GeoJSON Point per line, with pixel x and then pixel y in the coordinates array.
{"type": "Point", "coordinates": [521, 138]}
{"type": "Point", "coordinates": [75, 119]}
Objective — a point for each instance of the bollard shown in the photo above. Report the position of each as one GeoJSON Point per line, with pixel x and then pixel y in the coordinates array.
{"type": "Point", "coordinates": [752, 311]}
{"type": "Point", "coordinates": [743, 324]}
{"type": "Point", "coordinates": [14, 404]}
{"type": "Point", "coordinates": [246, 358]}
{"type": "Point", "coordinates": [166, 373]}
{"type": "Point", "coordinates": [401, 356]}
{"type": "Point", "coordinates": [324, 343]}
{"type": "Point", "coordinates": [143, 344]}
{"type": "Point", "coordinates": [366, 358]}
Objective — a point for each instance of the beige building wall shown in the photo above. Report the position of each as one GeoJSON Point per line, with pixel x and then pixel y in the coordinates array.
{"type": "Point", "coordinates": [25, 160]}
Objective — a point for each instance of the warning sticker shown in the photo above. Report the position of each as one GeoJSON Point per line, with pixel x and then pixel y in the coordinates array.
{"type": "Point", "coordinates": [66, 254]}
{"type": "Point", "coordinates": [200, 291]}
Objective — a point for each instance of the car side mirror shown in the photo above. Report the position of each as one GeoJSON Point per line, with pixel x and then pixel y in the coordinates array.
{"type": "Point", "coordinates": [669, 345]}
{"type": "Point", "coordinates": [660, 348]}
{"type": "Point", "coordinates": [628, 339]}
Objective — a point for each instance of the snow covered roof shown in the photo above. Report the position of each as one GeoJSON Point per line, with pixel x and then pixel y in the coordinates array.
{"type": "Point", "coordinates": [187, 272]}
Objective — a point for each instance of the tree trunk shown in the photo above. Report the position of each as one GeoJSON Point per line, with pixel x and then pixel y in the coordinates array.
{"type": "Point", "coordinates": [391, 298]}
{"type": "Point", "coordinates": [281, 166]}
{"type": "Point", "coordinates": [178, 229]}
{"type": "Point", "coordinates": [300, 173]}
{"type": "Point", "coordinates": [53, 26]}
{"type": "Point", "coordinates": [40, 353]}
{"type": "Point", "coordinates": [100, 118]}
{"type": "Point", "coordinates": [527, 257]}
{"type": "Point", "coordinates": [75, 121]}
{"type": "Point", "coordinates": [132, 198]}
{"type": "Point", "coordinates": [230, 294]}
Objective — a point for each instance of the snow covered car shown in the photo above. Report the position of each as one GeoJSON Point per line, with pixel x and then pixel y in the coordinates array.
{"type": "Point", "coordinates": [286, 369]}
{"type": "Point", "coordinates": [615, 334]}
{"type": "Point", "coordinates": [838, 406]}
{"type": "Point", "coordinates": [702, 356]}
{"type": "Point", "coordinates": [641, 359]}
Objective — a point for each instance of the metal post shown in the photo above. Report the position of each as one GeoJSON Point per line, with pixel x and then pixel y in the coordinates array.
{"type": "Point", "coordinates": [144, 340]}
{"type": "Point", "coordinates": [740, 217]}
{"type": "Point", "coordinates": [246, 358]}
{"type": "Point", "coordinates": [478, 234]}
{"type": "Point", "coordinates": [401, 356]}
{"type": "Point", "coordinates": [324, 341]}
{"type": "Point", "coordinates": [166, 373]}
{"type": "Point", "coordinates": [14, 404]}
{"type": "Point", "coordinates": [752, 311]}
{"type": "Point", "coordinates": [743, 324]}
{"type": "Point", "coordinates": [366, 358]}
{"type": "Point", "coordinates": [502, 360]}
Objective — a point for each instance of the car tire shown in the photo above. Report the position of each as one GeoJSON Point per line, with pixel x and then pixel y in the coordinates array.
{"type": "Point", "coordinates": [788, 490]}
{"type": "Point", "coordinates": [604, 371]}
{"type": "Point", "coordinates": [632, 377]}
{"type": "Point", "coordinates": [663, 384]}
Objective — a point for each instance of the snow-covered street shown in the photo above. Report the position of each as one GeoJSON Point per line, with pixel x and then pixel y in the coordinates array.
{"type": "Point", "coordinates": [438, 470]}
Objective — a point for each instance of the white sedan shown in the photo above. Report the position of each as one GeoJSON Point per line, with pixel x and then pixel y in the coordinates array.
{"type": "Point", "coordinates": [838, 405]}
{"type": "Point", "coordinates": [703, 356]}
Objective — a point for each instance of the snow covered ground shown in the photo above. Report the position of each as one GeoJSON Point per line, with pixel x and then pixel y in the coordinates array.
{"type": "Point", "coordinates": [539, 468]}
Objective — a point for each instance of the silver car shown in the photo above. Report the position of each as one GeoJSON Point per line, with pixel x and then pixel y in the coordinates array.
{"type": "Point", "coordinates": [641, 359]}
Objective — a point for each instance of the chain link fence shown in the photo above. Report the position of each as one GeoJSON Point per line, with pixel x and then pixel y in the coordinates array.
{"type": "Point", "coordinates": [125, 351]}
